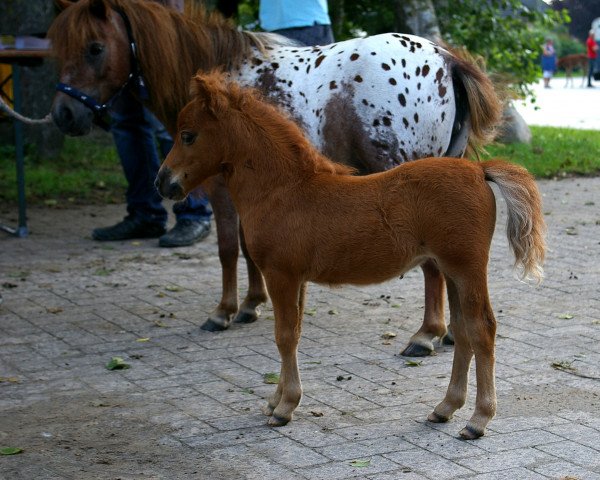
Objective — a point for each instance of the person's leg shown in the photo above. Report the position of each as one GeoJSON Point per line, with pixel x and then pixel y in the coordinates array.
{"type": "Point", "coordinates": [134, 140]}
{"type": "Point", "coordinates": [312, 35]}
{"type": "Point", "coordinates": [590, 71]}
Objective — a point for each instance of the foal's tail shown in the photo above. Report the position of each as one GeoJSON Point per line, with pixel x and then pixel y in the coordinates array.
{"type": "Point", "coordinates": [525, 227]}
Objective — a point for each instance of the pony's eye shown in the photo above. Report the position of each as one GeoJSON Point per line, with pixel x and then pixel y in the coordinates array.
{"type": "Point", "coordinates": [95, 49]}
{"type": "Point", "coordinates": [187, 138]}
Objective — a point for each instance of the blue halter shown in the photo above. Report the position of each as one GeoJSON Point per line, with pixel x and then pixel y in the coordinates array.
{"type": "Point", "coordinates": [100, 111]}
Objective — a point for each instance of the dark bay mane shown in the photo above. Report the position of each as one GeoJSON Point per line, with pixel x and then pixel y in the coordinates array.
{"type": "Point", "coordinates": [172, 47]}
{"type": "Point", "coordinates": [270, 129]}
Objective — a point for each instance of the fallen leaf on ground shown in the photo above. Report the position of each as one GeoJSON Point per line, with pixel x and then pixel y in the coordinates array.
{"type": "Point", "coordinates": [388, 335]}
{"type": "Point", "coordinates": [10, 450]}
{"type": "Point", "coordinates": [142, 339]}
{"type": "Point", "coordinates": [312, 312]}
{"type": "Point", "coordinates": [565, 316]}
{"type": "Point", "coordinates": [316, 414]}
{"type": "Point", "coordinates": [117, 363]}
{"type": "Point", "coordinates": [271, 378]}
{"type": "Point", "coordinates": [332, 312]}
{"type": "Point", "coordinates": [360, 463]}
{"type": "Point", "coordinates": [54, 310]}
{"type": "Point", "coordinates": [173, 288]}
{"type": "Point", "coordinates": [413, 363]}
{"type": "Point", "coordinates": [10, 380]}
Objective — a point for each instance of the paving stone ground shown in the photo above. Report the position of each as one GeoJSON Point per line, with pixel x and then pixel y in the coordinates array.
{"type": "Point", "coordinates": [189, 406]}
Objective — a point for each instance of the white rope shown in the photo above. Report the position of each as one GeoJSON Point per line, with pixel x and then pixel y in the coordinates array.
{"type": "Point", "coordinates": [31, 121]}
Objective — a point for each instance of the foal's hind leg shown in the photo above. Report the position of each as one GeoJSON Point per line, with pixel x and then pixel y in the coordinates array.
{"type": "Point", "coordinates": [226, 219]}
{"type": "Point", "coordinates": [257, 294]}
{"type": "Point", "coordinates": [287, 297]}
{"type": "Point", "coordinates": [434, 324]}
{"type": "Point", "coordinates": [474, 332]}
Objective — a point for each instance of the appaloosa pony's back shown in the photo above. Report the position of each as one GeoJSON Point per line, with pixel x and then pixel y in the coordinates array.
{"type": "Point", "coordinates": [369, 103]}
{"type": "Point", "coordinates": [307, 218]}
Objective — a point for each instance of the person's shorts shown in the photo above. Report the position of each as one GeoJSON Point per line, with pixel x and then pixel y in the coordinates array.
{"type": "Point", "coordinates": [547, 73]}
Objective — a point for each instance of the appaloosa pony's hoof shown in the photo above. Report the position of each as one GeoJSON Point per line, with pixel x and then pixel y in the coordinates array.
{"type": "Point", "coordinates": [447, 339]}
{"type": "Point", "coordinates": [471, 433]}
{"type": "Point", "coordinates": [276, 421]}
{"type": "Point", "coordinates": [417, 350]}
{"type": "Point", "coordinates": [212, 325]}
{"type": "Point", "coordinates": [247, 316]}
{"type": "Point", "coordinates": [437, 418]}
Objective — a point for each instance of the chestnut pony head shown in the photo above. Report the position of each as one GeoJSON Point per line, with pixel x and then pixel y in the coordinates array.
{"type": "Point", "coordinates": [90, 42]}
{"type": "Point", "coordinates": [202, 147]}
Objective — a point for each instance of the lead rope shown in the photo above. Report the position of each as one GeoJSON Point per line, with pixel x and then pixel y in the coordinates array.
{"type": "Point", "coordinates": [30, 121]}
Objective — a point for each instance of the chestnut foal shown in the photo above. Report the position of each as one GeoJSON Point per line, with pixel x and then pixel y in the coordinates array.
{"type": "Point", "coordinates": [307, 218]}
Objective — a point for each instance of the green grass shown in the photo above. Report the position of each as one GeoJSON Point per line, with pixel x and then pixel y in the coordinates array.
{"type": "Point", "coordinates": [88, 169]}
{"type": "Point", "coordinates": [554, 152]}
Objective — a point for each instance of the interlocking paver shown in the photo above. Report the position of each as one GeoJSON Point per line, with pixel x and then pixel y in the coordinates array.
{"type": "Point", "coordinates": [189, 406]}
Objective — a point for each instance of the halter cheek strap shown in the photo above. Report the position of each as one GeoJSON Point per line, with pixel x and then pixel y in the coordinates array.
{"type": "Point", "coordinates": [100, 111]}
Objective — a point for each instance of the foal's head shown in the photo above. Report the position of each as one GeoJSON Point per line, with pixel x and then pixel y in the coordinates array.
{"type": "Point", "coordinates": [208, 130]}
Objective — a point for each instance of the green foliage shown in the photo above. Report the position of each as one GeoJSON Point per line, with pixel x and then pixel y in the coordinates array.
{"type": "Point", "coordinates": [85, 171]}
{"type": "Point", "coordinates": [507, 34]}
{"type": "Point", "coordinates": [554, 152]}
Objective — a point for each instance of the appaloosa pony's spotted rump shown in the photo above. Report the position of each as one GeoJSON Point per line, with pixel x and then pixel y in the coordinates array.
{"type": "Point", "coordinates": [370, 102]}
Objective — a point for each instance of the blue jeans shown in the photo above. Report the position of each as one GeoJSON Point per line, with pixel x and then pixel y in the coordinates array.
{"type": "Point", "coordinates": [135, 131]}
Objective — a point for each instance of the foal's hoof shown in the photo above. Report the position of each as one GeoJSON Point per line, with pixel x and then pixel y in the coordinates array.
{"type": "Point", "coordinates": [267, 410]}
{"type": "Point", "coordinates": [246, 316]}
{"type": "Point", "coordinates": [276, 421]}
{"type": "Point", "coordinates": [417, 350]}
{"type": "Point", "coordinates": [437, 418]}
{"type": "Point", "coordinates": [213, 326]}
{"type": "Point", "coordinates": [471, 433]}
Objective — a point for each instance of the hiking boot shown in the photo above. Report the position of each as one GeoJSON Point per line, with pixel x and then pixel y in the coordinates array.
{"type": "Point", "coordinates": [127, 229]}
{"type": "Point", "coordinates": [185, 232]}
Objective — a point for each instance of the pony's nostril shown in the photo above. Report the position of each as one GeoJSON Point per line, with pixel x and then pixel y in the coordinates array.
{"type": "Point", "coordinates": [175, 191]}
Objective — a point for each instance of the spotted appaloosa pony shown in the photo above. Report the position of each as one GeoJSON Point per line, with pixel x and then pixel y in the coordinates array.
{"type": "Point", "coordinates": [369, 103]}
{"type": "Point", "coordinates": [306, 218]}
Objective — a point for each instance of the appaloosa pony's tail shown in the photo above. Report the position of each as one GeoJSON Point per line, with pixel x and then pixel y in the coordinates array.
{"type": "Point", "coordinates": [479, 111]}
{"type": "Point", "coordinates": [525, 227]}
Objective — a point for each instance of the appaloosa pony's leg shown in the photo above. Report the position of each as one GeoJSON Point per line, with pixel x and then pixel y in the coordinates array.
{"type": "Point", "coordinates": [474, 332]}
{"type": "Point", "coordinates": [257, 294]}
{"type": "Point", "coordinates": [226, 219]}
{"type": "Point", "coordinates": [434, 324]}
{"type": "Point", "coordinates": [287, 296]}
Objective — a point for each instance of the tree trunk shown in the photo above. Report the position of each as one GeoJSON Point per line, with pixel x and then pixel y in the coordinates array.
{"type": "Point", "coordinates": [337, 15]}
{"type": "Point", "coordinates": [417, 17]}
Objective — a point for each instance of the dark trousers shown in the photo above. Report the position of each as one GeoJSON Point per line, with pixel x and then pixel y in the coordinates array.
{"type": "Point", "coordinates": [135, 131]}
{"type": "Point", "coordinates": [311, 35]}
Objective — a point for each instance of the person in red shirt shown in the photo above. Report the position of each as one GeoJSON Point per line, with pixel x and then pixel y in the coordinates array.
{"type": "Point", "coordinates": [592, 52]}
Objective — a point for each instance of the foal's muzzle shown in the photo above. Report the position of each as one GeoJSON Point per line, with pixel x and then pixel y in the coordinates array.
{"type": "Point", "coordinates": [166, 186]}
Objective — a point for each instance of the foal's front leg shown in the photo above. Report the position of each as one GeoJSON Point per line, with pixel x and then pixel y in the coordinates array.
{"type": "Point", "coordinates": [434, 324]}
{"type": "Point", "coordinates": [287, 296]}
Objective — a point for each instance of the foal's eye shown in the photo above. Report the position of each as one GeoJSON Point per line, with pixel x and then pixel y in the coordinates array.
{"type": "Point", "coordinates": [187, 138]}
{"type": "Point", "coordinates": [95, 49]}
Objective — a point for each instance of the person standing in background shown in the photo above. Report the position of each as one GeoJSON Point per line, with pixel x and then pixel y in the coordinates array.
{"type": "Point", "coordinates": [135, 131]}
{"type": "Point", "coordinates": [548, 62]}
{"type": "Point", "coordinates": [592, 53]}
{"type": "Point", "coordinates": [306, 22]}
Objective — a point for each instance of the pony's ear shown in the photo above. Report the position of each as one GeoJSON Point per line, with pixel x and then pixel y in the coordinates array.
{"type": "Point", "coordinates": [210, 89]}
{"type": "Point", "coordinates": [98, 8]}
{"type": "Point", "coordinates": [63, 4]}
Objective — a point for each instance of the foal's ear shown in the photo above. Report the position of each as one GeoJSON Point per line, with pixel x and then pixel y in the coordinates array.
{"type": "Point", "coordinates": [63, 4]}
{"type": "Point", "coordinates": [98, 8]}
{"type": "Point", "coordinates": [210, 90]}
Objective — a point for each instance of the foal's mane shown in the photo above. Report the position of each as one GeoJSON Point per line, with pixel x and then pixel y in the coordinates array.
{"type": "Point", "coordinates": [171, 46]}
{"type": "Point", "coordinates": [270, 131]}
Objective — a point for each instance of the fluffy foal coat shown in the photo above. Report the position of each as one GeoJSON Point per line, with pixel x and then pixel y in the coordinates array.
{"type": "Point", "coordinates": [307, 218]}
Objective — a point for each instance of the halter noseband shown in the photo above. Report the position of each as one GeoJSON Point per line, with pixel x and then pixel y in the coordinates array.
{"type": "Point", "coordinates": [99, 110]}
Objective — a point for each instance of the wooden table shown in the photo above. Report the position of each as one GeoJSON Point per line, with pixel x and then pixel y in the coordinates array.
{"type": "Point", "coordinates": [18, 58]}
